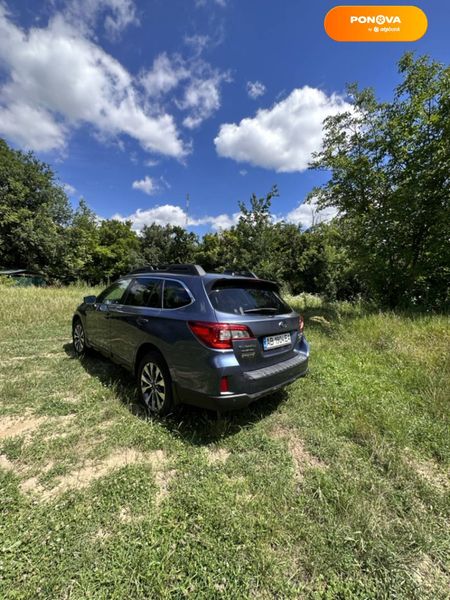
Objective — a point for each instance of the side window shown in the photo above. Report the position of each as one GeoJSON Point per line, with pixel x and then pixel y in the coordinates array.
{"type": "Point", "coordinates": [175, 295]}
{"type": "Point", "coordinates": [144, 292]}
{"type": "Point", "coordinates": [113, 294]}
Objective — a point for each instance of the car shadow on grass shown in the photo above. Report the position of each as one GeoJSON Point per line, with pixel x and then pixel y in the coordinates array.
{"type": "Point", "coordinates": [194, 425]}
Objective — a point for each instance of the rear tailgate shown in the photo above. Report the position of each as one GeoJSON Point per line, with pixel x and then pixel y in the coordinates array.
{"type": "Point", "coordinates": [256, 304]}
{"type": "Point", "coordinates": [261, 351]}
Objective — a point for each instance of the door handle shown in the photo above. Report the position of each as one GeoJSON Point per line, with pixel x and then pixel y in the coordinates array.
{"type": "Point", "coordinates": [142, 321]}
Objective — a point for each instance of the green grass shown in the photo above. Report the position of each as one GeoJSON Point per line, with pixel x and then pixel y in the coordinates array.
{"type": "Point", "coordinates": [338, 487]}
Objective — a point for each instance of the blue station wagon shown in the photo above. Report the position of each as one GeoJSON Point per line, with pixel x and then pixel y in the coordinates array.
{"type": "Point", "coordinates": [219, 341]}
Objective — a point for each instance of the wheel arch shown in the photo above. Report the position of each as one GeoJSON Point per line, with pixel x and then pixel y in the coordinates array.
{"type": "Point", "coordinates": [142, 351]}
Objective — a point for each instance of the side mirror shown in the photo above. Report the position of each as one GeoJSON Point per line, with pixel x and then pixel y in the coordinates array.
{"type": "Point", "coordinates": [90, 299]}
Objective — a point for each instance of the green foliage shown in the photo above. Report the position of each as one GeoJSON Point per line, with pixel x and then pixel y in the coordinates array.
{"type": "Point", "coordinates": [118, 249]}
{"type": "Point", "coordinates": [34, 210]}
{"type": "Point", "coordinates": [167, 244]}
{"type": "Point", "coordinates": [389, 166]}
{"type": "Point", "coordinates": [83, 242]}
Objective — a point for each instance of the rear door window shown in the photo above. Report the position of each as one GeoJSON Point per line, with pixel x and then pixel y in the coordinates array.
{"type": "Point", "coordinates": [144, 292]}
{"type": "Point", "coordinates": [242, 298]}
{"type": "Point", "coordinates": [175, 295]}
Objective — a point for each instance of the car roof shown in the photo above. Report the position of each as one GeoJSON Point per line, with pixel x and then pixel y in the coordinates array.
{"type": "Point", "coordinates": [192, 272]}
{"type": "Point", "coordinates": [208, 278]}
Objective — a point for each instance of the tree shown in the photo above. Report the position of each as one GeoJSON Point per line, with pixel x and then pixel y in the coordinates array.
{"type": "Point", "coordinates": [82, 247]}
{"type": "Point", "coordinates": [167, 244]}
{"type": "Point", "coordinates": [390, 165]}
{"type": "Point", "coordinates": [117, 252]}
{"type": "Point", "coordinates": [34, 211]}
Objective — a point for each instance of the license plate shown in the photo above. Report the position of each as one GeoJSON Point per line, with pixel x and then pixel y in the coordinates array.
{"type": "Point", "coordinates": [275, 341]}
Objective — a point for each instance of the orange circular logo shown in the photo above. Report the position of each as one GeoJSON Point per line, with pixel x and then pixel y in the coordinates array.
{"type": "Point", "coordinates": [375, 23]}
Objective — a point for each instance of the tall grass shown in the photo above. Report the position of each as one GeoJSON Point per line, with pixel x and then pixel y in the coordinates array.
{"type": "Point", "coordinates": [336, 488]}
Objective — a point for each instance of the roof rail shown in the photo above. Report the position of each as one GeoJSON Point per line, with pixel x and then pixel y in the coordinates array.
{"type": "Point", "coordinates": [241, 273]}
{"type": "Point", "coordinates": [185, 269]}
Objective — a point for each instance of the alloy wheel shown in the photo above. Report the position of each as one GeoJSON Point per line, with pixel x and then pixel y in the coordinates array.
{"type": "Point", "coordinates": [153, 387]}
{"type": "Point", "coordinates": [78, 338]}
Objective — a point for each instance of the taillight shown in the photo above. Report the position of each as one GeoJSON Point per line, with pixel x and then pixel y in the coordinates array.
{"type": "Point", "coordinates": [301, 325]}
{"type": "Point", "coordinates": [219, 335]}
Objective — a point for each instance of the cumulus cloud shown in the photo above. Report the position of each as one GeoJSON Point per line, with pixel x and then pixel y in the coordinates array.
{"type": "Point", "coordinates": [147, 185]}
{"type": "Point", "coordinates": [196, 83]}
{"type": "Point", "coordinates": [283, 137]}
{"type": "Point", "coordinates": [31, 127]}
{"type": "Point", "coordinates": [304, 215]}
{"type": "Point", "coordinates": [223, 221]}
{"type": "Point", "coordinates": [309, 214]}
{"type": "Point", "coordinates": [57, 79]}
{"type": "Point", "coordinates": [255, 89]}
{"type": "Point", "coordinates": [169, 214]}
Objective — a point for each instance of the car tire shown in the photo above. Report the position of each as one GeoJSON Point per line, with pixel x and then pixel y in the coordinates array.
{"type": "Point", "coordinates": [155, 385]}
{"type": "Point", "coordinates": [79, 338]}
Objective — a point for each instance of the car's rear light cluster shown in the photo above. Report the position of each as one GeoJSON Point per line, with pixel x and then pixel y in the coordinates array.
{"type": "Point", "coordinates": [224, 387]}
{"type": "Point", "coordinates": [219, 335]}
{"type": "Point", "coordinates": [301, 325]}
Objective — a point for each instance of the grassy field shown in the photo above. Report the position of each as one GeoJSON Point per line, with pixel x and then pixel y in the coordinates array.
{"type": "Point", "coordinates": [338, 487]}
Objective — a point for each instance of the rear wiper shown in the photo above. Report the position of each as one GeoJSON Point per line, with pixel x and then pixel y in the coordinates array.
{"type": "Point", "coordinates": [268, 309]}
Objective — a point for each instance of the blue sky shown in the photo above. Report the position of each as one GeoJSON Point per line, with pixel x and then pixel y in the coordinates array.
{"type": "Point", "coordinates": [137, 103]}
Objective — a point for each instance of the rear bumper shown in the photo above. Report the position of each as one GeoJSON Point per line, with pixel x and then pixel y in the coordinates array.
{"type": "Point", "coordinates": [253, 385]}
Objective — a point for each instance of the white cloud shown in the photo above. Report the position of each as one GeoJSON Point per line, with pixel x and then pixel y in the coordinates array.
{"type": "Point", "coordinates": [151, 162]}
{"type": "Point", "coordinates": [221, 3]}
{"type": "Point", "coordinates": [197, 42]}
{"type": "Point", "coordinates": [161, 215]}
{"type": "Point", "coordinates": [223, 221]}
{"type": "Point", "coordinates": [255, 89]}
{"type": "Point", "coordinates": [69, 189]}
{"type": "Point", "coordinates": [164, 75]}
{"type": "Point", "coordinates": [59, 80]}
{"type": "Point", "coordinates": [31, 127]}
{"type": "Point", "coordinates": [117, 15]}
{"type": "Point", "coordinates": [197, 84]}
{"type": "Point", "coordinates": [147, 185]}
{"type": "Point", "coordinates": [283, 137]}
{"type": "Point", "coordinates": [309, 214]}
{"type": "Point", "coordinates": [243, 172]}
{"type": "Point", "coordinates": [201, 99]}
{"type": "Point", "coordinates": [169, 214]}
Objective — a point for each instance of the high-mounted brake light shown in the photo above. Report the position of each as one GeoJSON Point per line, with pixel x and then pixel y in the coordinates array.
{"type": "Point", "coordinates": [219, 335]}
{"type": "Point", "coordinates": [301, 325]}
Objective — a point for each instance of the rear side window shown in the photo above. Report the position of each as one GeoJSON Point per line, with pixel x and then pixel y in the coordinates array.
{"type": "Point", "coordinates": [175, 295]}
{"type": "Point", "coordinates": [242, 299]}
{"type": "Point", "coordinates": [144, 292]}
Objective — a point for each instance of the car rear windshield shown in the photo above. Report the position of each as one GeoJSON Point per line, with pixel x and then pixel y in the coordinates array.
{"type": "Point", "coordinates": [245, 298]}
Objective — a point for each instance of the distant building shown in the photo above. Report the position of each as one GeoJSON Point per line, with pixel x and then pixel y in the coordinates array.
{"type": "Point", "coordinates": [24, 277]}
